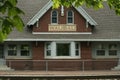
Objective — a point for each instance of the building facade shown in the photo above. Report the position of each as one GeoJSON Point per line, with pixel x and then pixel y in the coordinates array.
{"type": "Point", "coordinates": [75, 38]}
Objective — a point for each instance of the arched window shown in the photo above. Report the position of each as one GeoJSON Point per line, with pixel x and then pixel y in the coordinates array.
{"type": "Point", "coordinates": [70, 16]}
{"type": "Point", "coordinates": [54, 17]}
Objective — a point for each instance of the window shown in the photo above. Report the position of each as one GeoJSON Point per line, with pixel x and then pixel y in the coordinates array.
{"type": "Point", "coordinates": [112, 49]}
{"type": "Point", "coordinates": [48, 49]}
{"type": "Point", "coordinates": [70, 16]}
{"type": "Point", "coordinates": [100, 50]}
{"type": "Point", "coordinates": [1, 51]}
{"type": "Point", "coordinates": [54, 17]}
{"type": "Point", "coordinates": [62, 50]}
{"type": "Point", "coordinates": [77, 49]}
{"type": "Point", "coordinates": [25, 50]}
{"type": "Point", "coordinates": [17, 50]}
{"type": "Point", "coordinates": [106, 50]}
{"type": "Point", "coordinates": [12, 50]}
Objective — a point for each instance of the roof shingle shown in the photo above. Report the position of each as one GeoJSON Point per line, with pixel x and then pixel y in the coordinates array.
{"type": "Point", "coordinates": [108, 28]}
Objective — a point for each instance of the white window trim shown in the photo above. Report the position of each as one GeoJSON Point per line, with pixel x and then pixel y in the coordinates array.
{"type": "Point", "coordinates": [18, 56]}
{"type": "Point", "coordinates": [72, 17]}
{"type": "Point", "coordinates": [53, 51]}
{"type": "Point", "coordinates": [106, 51]}
{"type": "Point", "coordinates": [51, 17]}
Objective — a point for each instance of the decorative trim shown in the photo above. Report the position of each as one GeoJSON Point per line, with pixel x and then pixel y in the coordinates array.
{"type": "Point", "coordinates": [86, 24]}
{"type": "Point", "coordinates": [62, 10]}
{"type": "Point", "coordinates": [44, 39]}
{"type": "Point", "coordinates": [86, 15]}
{"type": "Point", "coordinates": [40, 13]}
{"type": "Point", "coordinates": [49, 5]}
{"type": "Point", "coordinates": [61, 33]}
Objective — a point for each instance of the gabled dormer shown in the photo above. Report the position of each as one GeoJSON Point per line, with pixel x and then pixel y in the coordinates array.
{"type": "Point", "coordinates": [62, 21]}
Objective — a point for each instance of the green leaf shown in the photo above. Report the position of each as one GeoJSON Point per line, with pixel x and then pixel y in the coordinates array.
{"type": "Point", "coordinates": [6, 26]}
{"type": "Point", "coordinates": [18, 23]}
{"type": "Point", "coordinates": [10, 19]}
{"type": "Point", "coordinates": [14, 11]}
{"type": "Point", "coordinates": [13, 2]}
{"type": "Point", "coordinates": [2, 36]}
{"type": "Point", "coordinates": [3, 9]}
{"type": "Point", "coordinates": [100, 5]}
{"type": "Point", "coordinates": [56, 3]}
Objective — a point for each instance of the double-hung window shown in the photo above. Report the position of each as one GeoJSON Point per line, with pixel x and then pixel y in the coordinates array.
{"type": "Point", "coordinates": [106, 50]}
{"type": "Point", "coordinates": [62, 50]}
{"type": "Point", "coordinates": [18, 50]}
{"type": "Point", "coordinates": [70, 15]}
{"type": "Point", "coordinates": [112, 49]}
{"type": "Point", "coordinates": [25, 50]}
{"type": "Point", "coordinates": [54, 17]}
{"type": "Point", "coordinates": [100, 50]}
{"type": "Point", "coordinates": [12, 50]}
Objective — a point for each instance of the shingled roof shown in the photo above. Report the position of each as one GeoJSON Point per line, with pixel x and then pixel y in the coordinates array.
{"type": "Point", "coordinates": [108, 28]}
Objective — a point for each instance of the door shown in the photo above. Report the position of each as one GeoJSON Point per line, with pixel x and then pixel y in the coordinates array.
{"type": "Point", "coordinates": [1, 51]}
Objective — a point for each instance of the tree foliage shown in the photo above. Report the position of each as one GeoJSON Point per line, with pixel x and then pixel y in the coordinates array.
{"type": "Point", "coordinates": [9, 17]}
{"type": "Point", "coordinates": [96, 4]}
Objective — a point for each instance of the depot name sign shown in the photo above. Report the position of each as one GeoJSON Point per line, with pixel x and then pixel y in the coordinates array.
{"type": "Point", "coordinates": [62, 27]}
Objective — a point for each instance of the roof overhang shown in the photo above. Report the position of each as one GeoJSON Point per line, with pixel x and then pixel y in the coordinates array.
{"type": "Point", "coordinates": [104, 40]}
{"type": "Point", "coordinates": [40, 13]}
{"type": "Point", "coordinates": [86, 15]}
{"type": "Point", "coordinates": [49, 5]}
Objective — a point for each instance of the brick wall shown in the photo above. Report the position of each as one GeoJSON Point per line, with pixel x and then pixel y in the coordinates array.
{"type": "Point", "coordinates": [38, 50]}
{"type": "Point", "coordinates": [46, 19]}
{"type": "Point", "coordinates": [86, 50]}
{"type": "Point", "coordinates": [63, 65]}
{"type": "Point", "coordinates": [85, 63]}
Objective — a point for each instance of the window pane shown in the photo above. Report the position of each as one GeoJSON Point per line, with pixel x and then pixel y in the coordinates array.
{"type": "Point", "coordinates": [1, 51]}
{"type": "Point", "coordinates": [54, 17]}
{"type": "Point", "coordinates": [12, 50]}
{"type": "Point", "coordinates": [77, 53]}
{"type": "Point", "coordinates": [70, 13]}
{"type": "Point", "coordinates": [100, 46]}
{"type": "Point", "coordinates": [54, 20]}
{"type": "Point", "coordinates": [76, 46]}
{"type": "Point", "coordinates": [70, 17]}
{"type": "Point", "coordinates": [100, 52]}
{"type": "Point", "coordinates": [48, 52]}
{"type": "Point", "coordinates": [54, 13]}
{"type": "Point", "coordinates": [70, 20]}
{"type": "Point", "coordinates": [48, 46]}
{"type": "Point", "coordinates": [25, 53]}
{"type": "Point", "coordinates": [112, 52]}
{"type": "Point", "coordinates": [25, 50]}
{"type": "Point", "coordinates": [63, 49]}
{"type": "Point", "coordinates": [76, 49]}
{"type": "Point", "coordinates": [48, 49]}
{"type": "Point", "coordinates": [112, 46]}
